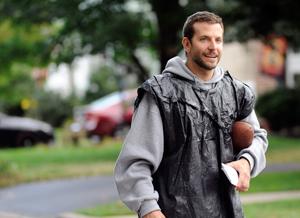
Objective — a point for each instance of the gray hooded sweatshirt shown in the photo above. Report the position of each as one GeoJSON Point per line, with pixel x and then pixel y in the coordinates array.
{"type": "Point", "coordinates": [144, 146]}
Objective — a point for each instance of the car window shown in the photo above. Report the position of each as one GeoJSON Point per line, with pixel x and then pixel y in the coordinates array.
{"type": "Point", "coordinates": [126, 97]}
{"type": "Point", "coordinates": [106, 101]}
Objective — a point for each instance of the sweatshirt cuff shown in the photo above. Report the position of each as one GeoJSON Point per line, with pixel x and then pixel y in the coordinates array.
{"type": "Point", "coordinates": [148, 206]}
{"type": "Point", "coordinates": [249, 158]}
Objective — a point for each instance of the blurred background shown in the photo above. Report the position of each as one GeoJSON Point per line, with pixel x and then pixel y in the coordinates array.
{"type": "Point", "coordinates": [69, 72]}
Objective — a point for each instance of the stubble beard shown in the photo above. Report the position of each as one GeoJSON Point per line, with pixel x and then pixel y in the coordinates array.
{"type": "Point", "coordinates": [203, 65]}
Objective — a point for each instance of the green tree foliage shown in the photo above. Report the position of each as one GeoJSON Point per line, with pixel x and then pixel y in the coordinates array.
{"type": "Point", "coordinates": [56, 30]}
{"type": "Point", "coordinates": [14, 87]}
{"type": "Point", "coordinates": [87, 27]}
{"type": "Point", "coordinates": [95, 26]}
{"type": "Point", "coordinates": [125, 25]}
{"type": "Point", "coordinates": [121, 26]}
{"type": "Point", "coordinates": [21, 47]}
{"type": "Point", "coordinates": [102, 82]}
{"type": "Point", "coordinates": [258, 18]}
{"type": "Point", "coordinates": [23, 43]}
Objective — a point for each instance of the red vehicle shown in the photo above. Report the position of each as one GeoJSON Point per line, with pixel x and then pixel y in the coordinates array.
{"type": "Point", "coordinates": [110, 114]}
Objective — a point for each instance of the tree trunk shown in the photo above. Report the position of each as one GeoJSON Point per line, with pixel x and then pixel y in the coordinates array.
{"type": "Point", "coordinates": [142, 72]}
{"type": "Point", "coordinates": [170, 16]}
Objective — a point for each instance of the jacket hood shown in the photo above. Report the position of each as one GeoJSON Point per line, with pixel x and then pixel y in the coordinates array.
{"type": "Point", "coordinates": [177, 66]}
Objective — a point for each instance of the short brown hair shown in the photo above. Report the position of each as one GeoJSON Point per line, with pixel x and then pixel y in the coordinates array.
{"type": "Point", "coordinates": [201, 16]}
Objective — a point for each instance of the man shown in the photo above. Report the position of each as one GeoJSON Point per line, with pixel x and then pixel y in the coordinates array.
{"type": "Point", "coordinates": [170, 164]}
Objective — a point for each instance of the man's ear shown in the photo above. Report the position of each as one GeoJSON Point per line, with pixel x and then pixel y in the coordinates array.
{"type": "Point", "coordinates": [186, 44]}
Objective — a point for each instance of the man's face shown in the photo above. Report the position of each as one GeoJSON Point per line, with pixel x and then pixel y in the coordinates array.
{"type": "Point", "coordinates": [205, 48]}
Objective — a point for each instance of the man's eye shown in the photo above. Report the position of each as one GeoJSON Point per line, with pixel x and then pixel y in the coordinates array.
{"type": "Point", "coordinates": [219, 40]}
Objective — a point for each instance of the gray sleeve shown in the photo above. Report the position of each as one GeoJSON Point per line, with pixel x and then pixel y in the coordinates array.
{"type": "Point", "coordinates": [255, 153]}
{"type": "Point", "coordinates": [140, 157]}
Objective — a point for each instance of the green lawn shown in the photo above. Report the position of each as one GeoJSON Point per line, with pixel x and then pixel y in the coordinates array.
{"type": "Point", "coordinates": [283, 150]}
{"type": "Point", "coordinates": [44, 162]}
{"type": "Point", "coordinates": [280, 209]}
{"type": "Point", "coordinates": [269, 182]}
{"type": "Point", "coordinates": [113, 209]}
{"type": "Point", "coordinates": [44, 155]}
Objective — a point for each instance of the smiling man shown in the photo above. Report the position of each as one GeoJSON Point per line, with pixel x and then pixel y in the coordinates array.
{"type": "Point", "coordinates": [171, 161]}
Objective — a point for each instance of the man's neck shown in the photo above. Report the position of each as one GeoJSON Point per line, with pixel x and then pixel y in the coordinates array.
{"type": "Point", "coordinates": [200, 73]}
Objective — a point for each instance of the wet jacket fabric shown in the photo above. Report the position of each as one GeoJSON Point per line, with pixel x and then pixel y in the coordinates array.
{"type": "Point", "coordinates": [196, 125]}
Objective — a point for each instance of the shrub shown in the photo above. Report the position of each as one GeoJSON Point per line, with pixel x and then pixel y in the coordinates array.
{"type": "Point", "coordinates": [281, 108]}
{"type": "Point", "coordinates": [52, 108]}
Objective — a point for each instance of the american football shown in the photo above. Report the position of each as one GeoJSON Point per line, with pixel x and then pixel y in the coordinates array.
{"type": "Point", "coordinates": [242, 134]}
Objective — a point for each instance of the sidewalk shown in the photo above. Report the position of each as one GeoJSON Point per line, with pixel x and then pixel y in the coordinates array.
{"type": "Point", "coordinates": [269, 196]}
{"type": "Point", "coordinates": [11, 215]}
{"type": "Point", "coordinates": [72, 215]}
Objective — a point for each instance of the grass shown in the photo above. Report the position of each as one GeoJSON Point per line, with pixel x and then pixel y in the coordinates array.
{"type": "Point", "coordinates": [35, 156]}
{"type": "Point", "coordinates": [275, 181]}
{"type": "Point", "coordinates": [44, 162]}
{"type": "Point", "coordinates": [281, 143]}
{"type": "Point", "coordinates": [283, 150]}
{"type": "Point", "coordinates": [64, 160]}
{"type": "Point", "coordinates": [279, 209]}
{"type": "Point", "coordinates": [112, 209]}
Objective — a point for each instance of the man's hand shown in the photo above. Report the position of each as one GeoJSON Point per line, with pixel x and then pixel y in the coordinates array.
{"type": "Point", "coordinates": [154, 214]}
{"type": "Point", "coordinates": [242, 166]}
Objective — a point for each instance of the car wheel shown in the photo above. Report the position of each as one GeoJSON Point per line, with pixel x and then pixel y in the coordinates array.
{"type": "Point", "coordinates": [25, 141]}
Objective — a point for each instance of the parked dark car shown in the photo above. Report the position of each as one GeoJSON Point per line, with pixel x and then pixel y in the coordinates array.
{"type": "Point", "coordinates": [21, 131]}
{"type": "Point", "coordinates": [109, 115]}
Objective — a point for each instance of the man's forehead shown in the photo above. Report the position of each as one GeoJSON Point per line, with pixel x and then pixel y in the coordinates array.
{"type": "Point", "coordinates": [205, 27]}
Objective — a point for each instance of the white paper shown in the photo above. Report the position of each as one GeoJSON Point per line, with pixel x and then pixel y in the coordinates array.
{"type": "Point", "coordinates": [231, 174]}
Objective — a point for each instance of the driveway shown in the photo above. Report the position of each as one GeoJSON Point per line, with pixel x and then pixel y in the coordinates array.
{"type": "Point", "coordinates": [48, 199]}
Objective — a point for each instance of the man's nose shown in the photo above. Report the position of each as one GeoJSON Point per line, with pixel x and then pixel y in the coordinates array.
{"type": "Point", "coordinates": [212, 44]}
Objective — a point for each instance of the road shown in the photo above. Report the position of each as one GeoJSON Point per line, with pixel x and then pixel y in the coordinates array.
{"type": "Point", "coordinates": [48, 199]}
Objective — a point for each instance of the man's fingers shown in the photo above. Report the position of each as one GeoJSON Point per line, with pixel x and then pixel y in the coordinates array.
{"type": "Point", "coordinates": [243, 168]}
{"type": "Point", "coordinates": [154, 214]}
{"type": "Point", "coordinates": [244, 183]}
{"type": "Point", "coordinates": [244, 180]}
